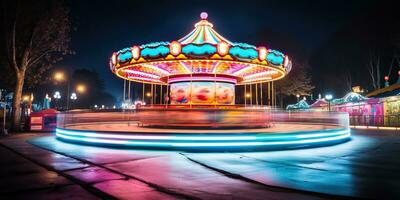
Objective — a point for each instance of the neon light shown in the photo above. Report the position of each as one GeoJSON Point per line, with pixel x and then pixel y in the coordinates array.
{"type": "Point", "coordinates": [262, 53]}
{"type": "Point", "coordinates": [163, 71]}
{"type": "Point", "coordinates": [201, 144]}
{"type": "Point", "coordinates": [136, 52]}
{"type": "Point", "coordinates": [203, 15]}
{"type": "Point", "coordinates": [175, 48]}
{"type": "Point", "coordinates": [223, 48]}
{"type": "Point", "coordinates": [243, 53]}
{"type": "Point", "coordinates": [114, 58]}
{"type": "Point", "coordinates": [199, 50]}
{"type": "Point", "coordinates": [286, 62]}
{"type": "Point", "coordinates": [261, 143]}
{"type": "Point", "coordinates": [201, 140]}
{"type": "Point", "coordinates": [129, 71]}
{"type": "Point", "coordinates": [155, 52]}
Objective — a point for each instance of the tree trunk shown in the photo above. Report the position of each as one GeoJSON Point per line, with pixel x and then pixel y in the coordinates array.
{"type": "Point", "coordinates": [16, 106]}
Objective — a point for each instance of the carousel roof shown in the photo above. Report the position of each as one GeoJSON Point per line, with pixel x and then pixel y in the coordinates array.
{"type": "Point", "coordinates": [201, 53]}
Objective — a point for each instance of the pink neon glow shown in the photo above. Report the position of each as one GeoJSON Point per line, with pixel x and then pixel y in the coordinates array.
{"type": "Point", "coordinates": [203, 15]}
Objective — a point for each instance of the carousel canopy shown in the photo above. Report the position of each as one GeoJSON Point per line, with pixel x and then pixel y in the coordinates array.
{"type": "Point", "coordinates": [203, 54]}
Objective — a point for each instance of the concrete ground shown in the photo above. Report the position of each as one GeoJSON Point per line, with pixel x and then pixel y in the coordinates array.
{"type": "Point", "coordinates": [38, 166]}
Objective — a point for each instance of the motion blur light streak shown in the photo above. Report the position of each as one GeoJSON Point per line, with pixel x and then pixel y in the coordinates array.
{"type": "Point", "coordinates": [201, 141]}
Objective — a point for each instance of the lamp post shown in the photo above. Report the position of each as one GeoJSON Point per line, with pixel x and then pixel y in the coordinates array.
{"type": "Point", "coordinates": [56, 96]}
{"type": "Point", "coordinates": [73, 97]}
{"type": "Point", "coordinates": [298, 97]}
{"type": "Point", "coordinates": [60, 77]}
{"type": "Point", "coordinates": [329, 97]}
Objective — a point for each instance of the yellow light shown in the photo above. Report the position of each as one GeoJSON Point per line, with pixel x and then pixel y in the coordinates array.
{"type": "Point", "coordinates": [114, 58]}
{"type": "Point", "coordinates": [148, 94]}
{"type": "Point", "coordinates": [262, 53]}
{"type": "Point", "coordinates": [135, 52]}
{"type": "Point", "coordinates": [59, 76]}
{"type": "Point", "coordinates": [175, 48]}
{"type": "Point", "coordinates": [247, 95]}
{"type": "Point", "coordinates": [80, 88]}
{"type": "Point", "coordinates": [25, 98]}
{"type": "Point", "coordinates": [223, 48]}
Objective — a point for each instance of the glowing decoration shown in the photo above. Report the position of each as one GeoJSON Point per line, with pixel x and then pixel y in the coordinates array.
{"type": "Point", "coordinates": [201, 51]}
{"type": "Point", "coordinates": [136, 52]}
{"type": "Point", "coordinates": [175, 48]}
{"type": "Point", "coordinates": [262, 53]}
{"type": "Point", "coordinates": [114, 59]}
{"type": "Point", "coordinates": [223, 48]}
{"type": "Point", "coordinates": [240, 52]}
{"type": "Point", "coordinates": [286, 62]}
{"type": "Point", "coordinates": [386, 78]}
{"type": "Point", "coordinates": [182, 140]}
{"type": "Point", "coordinates": [203, 15]}
{"type": "Point", "coordinates": [298, 106]}
{"type": "Point", "coordinates": [155, 51]}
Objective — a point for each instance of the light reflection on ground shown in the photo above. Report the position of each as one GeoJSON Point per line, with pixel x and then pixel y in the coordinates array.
{"type": "Point", "coordinates": [366, 166]}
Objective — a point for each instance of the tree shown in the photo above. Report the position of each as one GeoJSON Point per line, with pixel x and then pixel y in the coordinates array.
{"type": "Point", "coordinates": [297, 82]}
{"type": "Point", "coordinates": [374, 65]}
{"type": "Point", "coordinates": [94, 93]}
{"type": "Point", "coordinates": [37, 35]}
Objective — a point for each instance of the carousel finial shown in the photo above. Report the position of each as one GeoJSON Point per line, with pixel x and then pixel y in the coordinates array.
{"type": "Point", "coordinates": [203, 15]}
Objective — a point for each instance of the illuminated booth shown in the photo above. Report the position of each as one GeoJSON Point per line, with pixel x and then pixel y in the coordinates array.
{"type": "Point", "coordinates": [203, 67]}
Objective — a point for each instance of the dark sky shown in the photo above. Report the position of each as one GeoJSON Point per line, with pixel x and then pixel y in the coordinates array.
{"type": "Point", "coordinates": [103, 27]}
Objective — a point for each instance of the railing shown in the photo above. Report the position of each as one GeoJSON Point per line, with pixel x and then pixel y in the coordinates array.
{"type": "Point", "coordinates": [375, 120]}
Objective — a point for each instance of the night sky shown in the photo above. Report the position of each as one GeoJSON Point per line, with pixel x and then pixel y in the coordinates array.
{"type": "Point", "coordinates": [103, 27]}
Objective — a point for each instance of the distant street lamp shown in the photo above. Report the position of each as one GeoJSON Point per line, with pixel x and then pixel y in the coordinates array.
{"type": "Point", "coordinates": [329, 97]}
{"type": "Point", "coordinates": [80, 88]}
{"type": "Point", "coordinates": [56, 96]}
{"type": "Point", "coordinates": [298, 97]}
{"type": "Point", "coordinates": [73, 97]}
{"type": "Point", "coordinates": [59, 76]}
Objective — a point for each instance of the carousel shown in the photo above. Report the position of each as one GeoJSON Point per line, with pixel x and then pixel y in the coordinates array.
{"type": "Point", "coordinates": [202, 68]}
{"type": "Point", "coordinates": [190, 85]}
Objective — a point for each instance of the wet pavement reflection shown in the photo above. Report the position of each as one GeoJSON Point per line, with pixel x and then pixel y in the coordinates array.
{"type": "Point", "coordinates": [367, 166]}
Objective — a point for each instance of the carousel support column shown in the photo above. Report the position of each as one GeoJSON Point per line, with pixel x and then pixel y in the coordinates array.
{"type": "Point", "coordinates": [161, 94]}
{"type": "Point", "coordinates": [256, 94]}
{"type": "Point", "coordinates": [261, 91]}
{"type": "Point", "coordinates": [191, 88]}
{"type": "Point", "coordinates": [269, 93]}
{"type": "Point", "coordinates": [129, 90]}
{"type": "Point", "coordinates": [215, 89]}
{"type": "Point", "coordinates": [166, 102]}
{"type": "Point", "coordinates": [151, 94]}
{"type": "Point", "coordinates": [123, 96]}
{"type": "Point", "coordinates": [143, 92]}
{"type": "Point", "coordinates": [245, 95]}
{"type": "Point", "coordinates": [155, 94]}
{"type": "Point", "coordinates": [273, 94]}
{"type": "Point", "coordinates": [251, 95]}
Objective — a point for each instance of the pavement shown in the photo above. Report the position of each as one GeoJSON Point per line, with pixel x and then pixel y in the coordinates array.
{"type": "Point", "coordinates": [38, 166]}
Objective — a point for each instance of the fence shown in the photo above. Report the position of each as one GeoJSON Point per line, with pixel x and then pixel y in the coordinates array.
{"type": "Point", "coordinates": [375, 120]}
